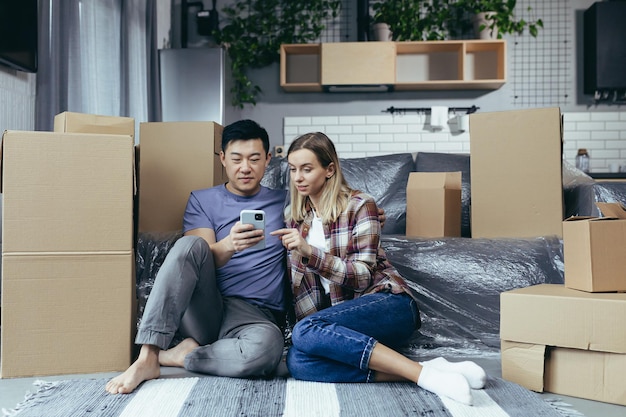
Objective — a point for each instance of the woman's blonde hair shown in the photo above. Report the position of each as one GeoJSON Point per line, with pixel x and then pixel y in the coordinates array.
{"type": "Point", "coordinates": [336, 192]}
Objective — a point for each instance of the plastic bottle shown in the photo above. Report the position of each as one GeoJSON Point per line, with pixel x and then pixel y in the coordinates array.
{"type": "Point", "coordinates": [582, 160]}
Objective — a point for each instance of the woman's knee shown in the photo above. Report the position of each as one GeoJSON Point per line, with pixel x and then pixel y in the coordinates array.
{"type": "Point", "coordinates": [302, 334]}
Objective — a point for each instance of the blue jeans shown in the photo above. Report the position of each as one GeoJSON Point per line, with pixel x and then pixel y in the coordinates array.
{"type": "Point", "coordinates": [335, 344]}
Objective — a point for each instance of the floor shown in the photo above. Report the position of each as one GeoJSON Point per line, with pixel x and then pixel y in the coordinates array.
{"type": "Point", "coordinates": [12, 391]}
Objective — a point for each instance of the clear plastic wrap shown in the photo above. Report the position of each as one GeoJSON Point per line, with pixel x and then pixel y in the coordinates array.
{"type": "Point", "coordinates": [581, 192]}
{"type": "Point", "coordinates": [150, 253]}
{"type": "Point", "coordinates": [459, 282]}
{"type": "Point", "coordinates": [578, 192]}
{"type": "Point", "coordinates": [385, 178]}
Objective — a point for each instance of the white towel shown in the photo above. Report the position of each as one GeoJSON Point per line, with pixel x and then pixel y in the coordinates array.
{"type": "Point", "coordinates": [438, 117]}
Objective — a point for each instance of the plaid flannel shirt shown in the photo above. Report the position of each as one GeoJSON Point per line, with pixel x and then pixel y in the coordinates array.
{"type": "Point", "coordinates": [353, 260]}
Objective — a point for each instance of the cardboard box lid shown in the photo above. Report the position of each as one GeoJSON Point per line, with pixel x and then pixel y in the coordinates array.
{"type": "Point", "coordinates": [615, 210]}
{"type": "Point", "coordinates": [610, 211]}
{"type": "Point", "coordinates": [71, 122]}
{"type": "Point", "coordinates": [447, 180]}
{"type": "Point", "coordinates": [66, 192]}
{"type": "Point", "coordinates": [553, 315]}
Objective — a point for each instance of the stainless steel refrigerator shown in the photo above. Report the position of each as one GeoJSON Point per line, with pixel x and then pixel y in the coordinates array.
{"type": "Point", "coordinates": [194, 85]}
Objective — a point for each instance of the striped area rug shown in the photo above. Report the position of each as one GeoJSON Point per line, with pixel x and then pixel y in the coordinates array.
{"type": "Point", "coordinates": [225, 397]}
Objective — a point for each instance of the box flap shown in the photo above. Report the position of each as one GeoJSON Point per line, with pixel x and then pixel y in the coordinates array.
{"type": "Point", "coordinates": [447, 180]}
{"type": "Point", "coordinates": [589, 218]}
{"type": "Point", "coordinates": [71, 122]}
{"type": "Point", "coordinates": [614, 210]}
{"type": "Point", "coordinates": [524, 364]}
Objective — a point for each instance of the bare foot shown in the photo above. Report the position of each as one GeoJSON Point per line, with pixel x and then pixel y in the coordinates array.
{"type": "Point", "coordinates": [144, 368]}
{"type": "Point", "coordinates": [176, 355]}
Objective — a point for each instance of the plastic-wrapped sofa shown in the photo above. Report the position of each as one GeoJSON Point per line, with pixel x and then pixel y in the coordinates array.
{"type": "Point", "coordinates": [459, 279]}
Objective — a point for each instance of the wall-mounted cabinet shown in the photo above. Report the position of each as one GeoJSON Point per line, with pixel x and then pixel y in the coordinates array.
{"type": "Point", "coordinates": [429, 65]}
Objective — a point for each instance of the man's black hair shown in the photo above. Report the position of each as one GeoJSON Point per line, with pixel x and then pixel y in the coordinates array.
{"type": "Point", "coordinates": [245, 130]}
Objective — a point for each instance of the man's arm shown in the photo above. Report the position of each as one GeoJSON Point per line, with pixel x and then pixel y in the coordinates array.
{"type": "Point", "coordinates": [241, 236]}
{"type": "Point", "coordinates": [221, 254]}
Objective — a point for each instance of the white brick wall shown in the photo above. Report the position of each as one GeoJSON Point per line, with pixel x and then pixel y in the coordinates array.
{"type": "Point", "coordinates": [602, 134]}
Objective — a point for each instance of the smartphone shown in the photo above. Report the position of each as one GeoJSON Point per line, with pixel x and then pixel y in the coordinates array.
{"type": "Point", "coordinates": [256, 218]}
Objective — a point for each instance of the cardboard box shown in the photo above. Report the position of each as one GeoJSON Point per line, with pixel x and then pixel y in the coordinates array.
{"type": "Point", "coordinates": [516, 186]}
{"type": "Point", "coordinates": [67, 253]}
{"type": "Point", "coordinates": [70, 122]}
{"type": "Point", "coordinates": [565, 341]}
{"type": "Point", "coordinates": [578, 373]}
{"type": "Point", "coordinates": [594, 250]}
{"type": "Point", "coordinates": [433, 204]}
{"type": "Point", "coordinates": [176, 159]}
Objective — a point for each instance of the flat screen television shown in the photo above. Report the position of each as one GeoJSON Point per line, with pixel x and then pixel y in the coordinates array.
{"type": "Point", "coordinates": [18, 34]}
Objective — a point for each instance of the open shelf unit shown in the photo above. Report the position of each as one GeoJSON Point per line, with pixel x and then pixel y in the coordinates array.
{"type": "Point", "coordinates": [428, 65]}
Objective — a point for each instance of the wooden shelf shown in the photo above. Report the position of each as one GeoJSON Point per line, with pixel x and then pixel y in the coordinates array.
{"type": "Point", "coordinates": [429, 65]}
{"type": "Point", "coordinates": [300, 67]}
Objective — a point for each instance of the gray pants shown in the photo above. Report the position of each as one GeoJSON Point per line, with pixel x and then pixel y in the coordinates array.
{"type": "Point", "coordinates": [237, 338]}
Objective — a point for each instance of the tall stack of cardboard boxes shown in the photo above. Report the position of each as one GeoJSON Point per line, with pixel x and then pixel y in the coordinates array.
{"type": "Point", "coordinates": [67, 249]}
{"type": "Point", "coordinates": [570, 339]}
{"type": "Point", "coordinates": [68, 279]}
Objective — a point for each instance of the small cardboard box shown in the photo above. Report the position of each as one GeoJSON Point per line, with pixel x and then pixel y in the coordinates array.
{"type": "Point", "coordinates": [516, 186]}
{"type": "Point", "coordinates": [70, 122]}
{"type": "Point", "coordinates": [565, 341]}
{"type": "Point", "coordinates": [594, 250]}
{"type": "Point", "coordinates": [67, 253]}
{"type": "Point", "coordinates": [433, 204]}
{"type": "Point", "coordinates": [176, 159]}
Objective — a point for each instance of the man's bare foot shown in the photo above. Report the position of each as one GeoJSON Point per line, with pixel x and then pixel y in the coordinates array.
{"type": "Point", "coordinates": [176, 355]}
{"type": "Point", "coordinates": [144, 368]}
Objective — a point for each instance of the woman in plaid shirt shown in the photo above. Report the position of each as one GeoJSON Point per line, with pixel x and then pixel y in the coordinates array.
{"type": "Point", "coordinates": [353, 307]}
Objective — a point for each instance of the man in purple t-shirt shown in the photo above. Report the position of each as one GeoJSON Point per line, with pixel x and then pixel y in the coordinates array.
{"type": "Point", "coordinates": [227, 301]}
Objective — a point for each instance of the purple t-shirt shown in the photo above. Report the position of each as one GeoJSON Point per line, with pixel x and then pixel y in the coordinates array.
{"type": "Point", "coordinates": [256, 275]}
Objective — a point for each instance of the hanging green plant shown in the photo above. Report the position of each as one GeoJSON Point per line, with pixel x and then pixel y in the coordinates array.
{"type": "Point", "coordinates": [255, 29]}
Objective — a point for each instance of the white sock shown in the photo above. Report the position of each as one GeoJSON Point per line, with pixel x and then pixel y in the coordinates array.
{"type": "Point", "coordinates": [448, 384]}
{"type": "Point", "coordinates": [474, 374]}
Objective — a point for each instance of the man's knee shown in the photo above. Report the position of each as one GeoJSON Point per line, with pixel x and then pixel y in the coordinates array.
{"type": "Point", "coordinates": [256, 352]}
{"type": "Point", "coordinates": [261, 349]}
{"type": "Point", "coordinates": [190, 245]}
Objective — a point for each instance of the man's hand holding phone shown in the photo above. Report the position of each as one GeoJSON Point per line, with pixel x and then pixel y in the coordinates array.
{"type": "Point", "coordinates": [251, 231]}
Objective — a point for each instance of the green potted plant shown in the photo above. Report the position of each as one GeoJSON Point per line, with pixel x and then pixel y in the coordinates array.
{"type": "Point", "coordinates": [417, 20]}
{"type": "Point", "coordinates": [493, 18]}
{"type": "Point", "coordinates": [255, 29]}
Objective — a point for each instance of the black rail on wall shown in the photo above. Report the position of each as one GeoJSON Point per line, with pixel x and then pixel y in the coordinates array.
{"type": "Point", "coordinates": [402, 110]}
